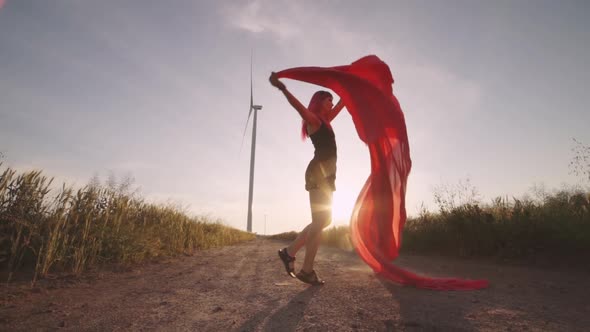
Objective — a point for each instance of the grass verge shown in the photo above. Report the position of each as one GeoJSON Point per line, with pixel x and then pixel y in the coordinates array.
{"type": "Point", "coordinates": [71, 230]}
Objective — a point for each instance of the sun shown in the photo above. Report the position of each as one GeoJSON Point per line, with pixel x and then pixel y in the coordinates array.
{"type": "Point", "coordinates": [342, 205]}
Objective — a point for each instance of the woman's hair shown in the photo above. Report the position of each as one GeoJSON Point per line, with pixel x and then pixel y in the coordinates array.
{"type": "Point", "coordinates": [314, 106]}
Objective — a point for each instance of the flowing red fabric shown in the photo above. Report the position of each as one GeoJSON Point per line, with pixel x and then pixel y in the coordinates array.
{"type": "Point", "coordinates": [378, 218]}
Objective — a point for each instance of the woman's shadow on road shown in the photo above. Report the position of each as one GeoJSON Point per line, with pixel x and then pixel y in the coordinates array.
{"type": "Point", "coordinates": [287, 318]}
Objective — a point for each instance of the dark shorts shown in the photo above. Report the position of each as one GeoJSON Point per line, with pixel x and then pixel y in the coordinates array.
{"type": "Point", "coordinates": [321, 174]}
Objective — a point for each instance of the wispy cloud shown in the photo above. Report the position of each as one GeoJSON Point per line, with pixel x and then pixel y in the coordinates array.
{"type": "Point", "coordinates": [293, 26]}
{"type": "Point", "coordinates": [261, 16]}
{"type": "Point", "coordinates": [320, 38]}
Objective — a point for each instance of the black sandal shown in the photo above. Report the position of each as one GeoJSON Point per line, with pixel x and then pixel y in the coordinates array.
{"type": "Point", "coordinates": [310, 278]}
{"type": "Point", "coordinates": [287, 260]}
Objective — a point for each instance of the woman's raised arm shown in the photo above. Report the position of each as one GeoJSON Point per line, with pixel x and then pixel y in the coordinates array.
{"type": "Point", "coordinates": [335, 110]}
{"type": "Point", "coordinates": [308, 116]}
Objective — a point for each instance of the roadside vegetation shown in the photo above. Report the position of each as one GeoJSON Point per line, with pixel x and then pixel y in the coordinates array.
{"type": "Point", "coordinates": [551, 226]}
{"type": "Point", "coordinates": [45, 230]}
{"type": "Point", "coordinates": [556, 226]}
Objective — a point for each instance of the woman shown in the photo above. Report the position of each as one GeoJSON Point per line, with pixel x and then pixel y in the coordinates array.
{"type": "Point", "coordinates": [379, 214]}
{"type": "Point", "coordinates": [320, 178]}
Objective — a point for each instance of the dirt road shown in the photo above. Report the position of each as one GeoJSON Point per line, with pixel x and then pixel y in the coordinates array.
{"type": "Point", "coordinates": [244, 288]}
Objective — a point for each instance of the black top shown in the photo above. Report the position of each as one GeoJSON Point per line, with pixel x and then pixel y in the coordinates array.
{"type": "Point", "coordinates": [324, 143]}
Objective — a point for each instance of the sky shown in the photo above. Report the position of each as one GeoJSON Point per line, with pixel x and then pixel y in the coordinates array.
{"type": "Point", "coordinates": [493, 93]}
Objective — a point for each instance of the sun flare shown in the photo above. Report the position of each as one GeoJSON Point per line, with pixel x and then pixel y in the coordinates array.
{"type": "Point", "coordinates": [342, 205]}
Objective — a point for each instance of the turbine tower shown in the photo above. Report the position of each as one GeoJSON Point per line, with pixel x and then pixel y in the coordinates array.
{"type": "Point", "coordinates": [254, 108]}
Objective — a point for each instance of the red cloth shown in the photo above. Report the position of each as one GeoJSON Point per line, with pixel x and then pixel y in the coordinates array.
{"type": "Point", "coordinates": [365, 87]}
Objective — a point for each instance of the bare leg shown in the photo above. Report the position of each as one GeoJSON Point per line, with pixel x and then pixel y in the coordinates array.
{"type": "Point", "coordinates": [299, 242]}
{"type": "Point", "coordinates": [321, 215]}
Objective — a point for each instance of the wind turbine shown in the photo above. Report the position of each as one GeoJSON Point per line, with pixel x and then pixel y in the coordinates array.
{"type": "Point", "coordinates": [254, 108]}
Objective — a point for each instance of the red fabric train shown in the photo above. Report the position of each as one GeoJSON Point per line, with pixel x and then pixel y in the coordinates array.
{"type": "Point", "coordinates": [379, 214]}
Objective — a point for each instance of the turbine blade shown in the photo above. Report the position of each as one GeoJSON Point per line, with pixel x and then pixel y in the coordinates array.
{"type": "Point", "coordinates": [245, 128]}
{"type": "Point", "coordinates": [251, 102]}
{"type": "Point", "coordinates": [251, 90]}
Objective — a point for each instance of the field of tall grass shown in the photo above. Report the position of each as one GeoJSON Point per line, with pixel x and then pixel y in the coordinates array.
{"type": "Point", "coordinates": [45, 230]}
{"type": "Point", "coordinates": [554, 226]}
{"type": "Point", "coordinates": [551, 226]}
